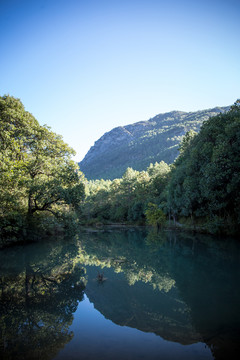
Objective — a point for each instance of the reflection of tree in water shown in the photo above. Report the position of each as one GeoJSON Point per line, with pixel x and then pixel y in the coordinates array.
{"type": "Point", "coordinates": [127, 299]}
{"type": "Point", "coordinates": [197, 274]}
{"type": "Point", "coordinates": [134, 258]}
{"type": "Point", "coordinates": [207, 275]}
{"type": "Point", "coordinates": [206, 272]}
{"type": "Point", "coordinates": [37, 302]}
{"type": "Point", "coordinates": [191, 279]}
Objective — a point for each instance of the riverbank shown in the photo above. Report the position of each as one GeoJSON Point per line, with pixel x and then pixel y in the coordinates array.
{"type": "Point", "coordinates": [202, 226]}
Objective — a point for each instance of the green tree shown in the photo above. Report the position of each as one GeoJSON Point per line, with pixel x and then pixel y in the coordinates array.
{"type": "Point", "coordinates": [204, 181]}
{"type": "Point", "coordinates": [155, 216]}
{"type": "Point", "coordinates": [37, 173]}
{"type": "Point", "coordinates": [186, 141]}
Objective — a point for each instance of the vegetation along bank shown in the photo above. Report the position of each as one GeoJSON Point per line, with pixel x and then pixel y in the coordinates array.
{"type": "Point", "coordinates": [43, 191]}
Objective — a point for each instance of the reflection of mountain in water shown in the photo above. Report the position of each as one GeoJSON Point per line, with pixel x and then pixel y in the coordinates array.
{"type": "Point", "coordinates": [198, 279]}
{"type": "Point", "coordinates": [141, 307]}
{"type": "Point", "coordinates": [184, 288]}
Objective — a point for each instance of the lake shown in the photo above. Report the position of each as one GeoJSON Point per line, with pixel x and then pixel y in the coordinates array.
{"type": "Point", "coordinates": [121, 294]}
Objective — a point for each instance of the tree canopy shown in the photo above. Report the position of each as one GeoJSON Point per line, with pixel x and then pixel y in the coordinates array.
{"type": "Point", "coordinates": [202, 185]}
{"type": "Point", "coordinates": [37, 173]}
{"type": "Point", "coordinates": [205, 180]}
{"type": "Point", "coordinates": [37, 176]}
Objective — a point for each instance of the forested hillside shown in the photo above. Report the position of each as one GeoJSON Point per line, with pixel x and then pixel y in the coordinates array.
{"type": "Point", "coordinates": [200, 189]}
{"type": "Point", "coordinates": [41, 187]}
{"type": "Point", "coordinates": [142, 143]}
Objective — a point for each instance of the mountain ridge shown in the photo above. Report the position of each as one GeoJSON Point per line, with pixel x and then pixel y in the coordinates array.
{"type": "Point", "coordinates": [141, 143]}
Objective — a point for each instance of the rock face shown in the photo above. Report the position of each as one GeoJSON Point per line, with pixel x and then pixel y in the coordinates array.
{"type": "Point", "coordinates": [139, 144]}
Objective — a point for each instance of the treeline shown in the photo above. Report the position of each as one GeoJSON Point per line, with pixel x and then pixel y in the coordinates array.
{"type": "Point", "coordinates": [40, 186]}
{"type": "Point", "coordinates": [200, 189]}
{"type": "Point", "coordinates": [126, 199]}
{"type": "Point", "coordinates": [205, 179]}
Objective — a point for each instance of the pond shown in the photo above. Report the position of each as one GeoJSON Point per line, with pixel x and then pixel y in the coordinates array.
{"type": "Point", "coordinates": [121, 294]}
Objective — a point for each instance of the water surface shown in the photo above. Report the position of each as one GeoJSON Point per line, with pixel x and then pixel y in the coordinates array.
{"type": "Point", "coordinates": [162, 296]}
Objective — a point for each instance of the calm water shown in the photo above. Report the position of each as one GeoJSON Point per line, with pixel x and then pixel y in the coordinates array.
{"type": "Point", "coordinates": [163, 296]}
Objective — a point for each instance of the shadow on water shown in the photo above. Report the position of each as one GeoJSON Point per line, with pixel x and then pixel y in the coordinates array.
{"type": "Point", "coordinates": [183, 288]}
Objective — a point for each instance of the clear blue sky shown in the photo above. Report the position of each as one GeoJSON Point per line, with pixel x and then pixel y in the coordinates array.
{"type": "Point", "coordinates": [85, 67]}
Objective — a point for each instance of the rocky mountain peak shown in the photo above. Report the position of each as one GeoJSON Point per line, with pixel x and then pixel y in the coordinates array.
{"type": "Point", "coordinates": [139, 144]}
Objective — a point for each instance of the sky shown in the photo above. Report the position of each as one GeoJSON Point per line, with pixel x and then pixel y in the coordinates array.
{"type": "Point", "coordinates": [83, 67]}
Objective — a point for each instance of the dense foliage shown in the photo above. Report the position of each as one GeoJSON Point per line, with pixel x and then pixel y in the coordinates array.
{"type": "Point", "coordinates": [126, 199]}
{"type": "Point", "coordinates": [201, 188]}
{"type": "Point", "coordinates": [41, 187]}
{"type": "Point", "coordinates": [142, 143]}
{"type": "Point", "coordinates": [37, 174]}
{"type": "Point", "coordinates": [205, 179]}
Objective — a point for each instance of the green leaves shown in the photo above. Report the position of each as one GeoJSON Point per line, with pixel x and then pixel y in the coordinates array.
{"type": "Point", "coordinates": [125, 199]}
{"type": "Point", "coordinates": [205, 181]}
{"type": "Point", "coordinates": [155, 216]}
{"type": "Point", "coordinates": [37, 173]}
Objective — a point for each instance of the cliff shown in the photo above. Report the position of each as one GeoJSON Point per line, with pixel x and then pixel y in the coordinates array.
{"type": "Point", "coordinates": [139, 144]}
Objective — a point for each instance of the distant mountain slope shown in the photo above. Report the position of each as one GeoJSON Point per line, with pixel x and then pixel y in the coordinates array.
{"type": "Point", "coordinates": [139, 144]}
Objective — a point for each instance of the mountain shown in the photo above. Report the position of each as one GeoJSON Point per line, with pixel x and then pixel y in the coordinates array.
{"type": "Point", "coordinates": [139, 144]}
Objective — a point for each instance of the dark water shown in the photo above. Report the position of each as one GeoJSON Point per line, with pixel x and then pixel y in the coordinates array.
{"type": "Point", "coordinates": [163, 296]}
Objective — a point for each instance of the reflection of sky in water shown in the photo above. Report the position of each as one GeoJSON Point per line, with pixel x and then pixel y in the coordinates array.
{"type": "Point", "coordinates": [93, 334]}
{"type": "Point", "coordinates": [165, 296]}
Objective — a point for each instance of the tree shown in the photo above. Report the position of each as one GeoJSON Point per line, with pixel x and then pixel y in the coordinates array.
{"type": "Point", "coordinates": [155, 216]}
{"type": "Point", "coordinates": [236, 106]}
{"type": "Point", "coordinates": [37, 173]}
{"type": "Point", "coordinates": [204, 181]}
{"type": "Point", "coordinates": [186, 141]}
